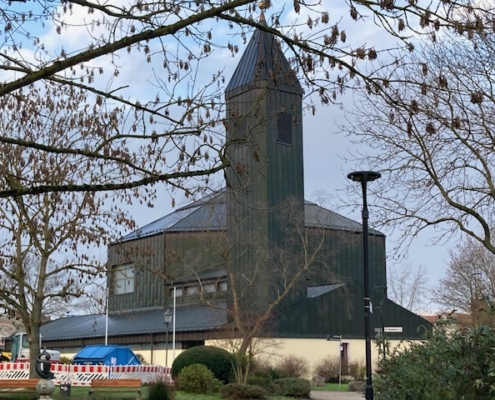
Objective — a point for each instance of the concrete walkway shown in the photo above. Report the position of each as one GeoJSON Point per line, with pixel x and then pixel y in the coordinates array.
{"type": "Point", "coordinates": [317, 395]}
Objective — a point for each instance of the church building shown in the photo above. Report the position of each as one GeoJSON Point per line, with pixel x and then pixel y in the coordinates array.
{"type": "Point", "coordinates": [255, 245]}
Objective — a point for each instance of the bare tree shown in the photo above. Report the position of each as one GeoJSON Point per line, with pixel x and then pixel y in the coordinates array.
{"type": "Point", "coordinates": [408, 286]}
{"type": "Point", "coordinates": [469, 284]}
{"type": "Point", "coordinates": [47, 254]}
{"type": "Point", "coordinates": [150, 61]}
{"type": "Point", "coordinates": [431, 134]}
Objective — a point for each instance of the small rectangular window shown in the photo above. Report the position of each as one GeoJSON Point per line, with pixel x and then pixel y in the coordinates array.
{"type": "Point", "coordinates": [191, 290]}
{"type": "Point", "coordinates": [208, 288]}
{"type": "Point", "coordinates": [222, 286]}
{"type": "Point", "coordinates": [178, 292]}
{"type": "Point", "coordinates": [123, 279]}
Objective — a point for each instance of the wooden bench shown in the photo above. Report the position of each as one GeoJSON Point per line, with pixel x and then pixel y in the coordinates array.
{"type": "Point", "coordinates": [115, 385]}
{"type": "Point", "coordinates": [18, 385]}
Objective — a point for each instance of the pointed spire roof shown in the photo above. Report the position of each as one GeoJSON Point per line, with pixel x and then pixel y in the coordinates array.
{"type": "Point", "coordinates": [263, 60]}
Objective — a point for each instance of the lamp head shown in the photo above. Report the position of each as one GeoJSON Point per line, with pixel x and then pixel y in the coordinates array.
{"type": "Point", "coordinates": [364, 176]}
{"type": "Point", "coordinates": [167, 317]}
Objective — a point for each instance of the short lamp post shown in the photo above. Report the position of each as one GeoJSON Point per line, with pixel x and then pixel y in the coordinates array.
{"type": "Point", "coordinates": [364, 177]}
{"type": "Point", "coordinates": [167, 318]}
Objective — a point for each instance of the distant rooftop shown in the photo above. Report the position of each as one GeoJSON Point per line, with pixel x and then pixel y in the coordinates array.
{"type": "Point", "coordinates": [210, 214]}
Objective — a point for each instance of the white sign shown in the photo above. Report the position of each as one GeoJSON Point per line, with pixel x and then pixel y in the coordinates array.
{"type": "Point", "coordinates": [395, 329]}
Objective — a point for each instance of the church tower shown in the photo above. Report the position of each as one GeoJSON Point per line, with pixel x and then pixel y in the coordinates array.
{"type": "Point", "coordinates": [265, 148]}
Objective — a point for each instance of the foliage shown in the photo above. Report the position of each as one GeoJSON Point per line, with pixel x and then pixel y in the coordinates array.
{"type": "Point", "coordinates": [357, 370]}
{"type": "Point", "coordinates": [261, 381]}
{"type": "Point", "coordinates": [197, 378]}
{"type": "Point", "coordinates": [234, 391]}
{"type": "Point", "coordinates": [160, 391]}
{"type": "Point", "coordinates": [218, 360]}
{"type": "Point", "coordinates": [293, 367]}
{"type": "Point", "coordinates": [65, 360]}
{"type": "Point", "coordinates": [141, 359]}
{"type": "Point", "coordinates": [292, 387]}
{"type": "Point", "coordinates": [262, 369]}
{"type": "Point", "coordinates": [328, 368]}
{"type": "Point", "coordinates": [449, 365]}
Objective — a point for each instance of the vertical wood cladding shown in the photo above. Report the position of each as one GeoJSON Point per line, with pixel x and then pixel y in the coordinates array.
{"type": "Point", "coordinates": [147, 255]}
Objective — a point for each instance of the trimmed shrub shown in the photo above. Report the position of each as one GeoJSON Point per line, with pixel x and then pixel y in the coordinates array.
{"type": "Point", "coordinates": [262, 381]}
{"type": "Point", "coordinates": [234, 391]}
{"type": "Point", "coordinates": [293, 367]}
{"type": "Point", "coordinates": [160, 391]}
{"type": "Point", "coordinates": [197, 378]}
{"type": "Point", "coordinates": [328, 369]}
{"type": "Point", "coordinates": [217, 360]}
{"type": "Point", "coordinates": [292, 387]}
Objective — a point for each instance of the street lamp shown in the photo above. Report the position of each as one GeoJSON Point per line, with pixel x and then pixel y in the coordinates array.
{"type": "Point", "coordinates": [167, 318]}
{"type": "Point", "coordinates": [364, 177]}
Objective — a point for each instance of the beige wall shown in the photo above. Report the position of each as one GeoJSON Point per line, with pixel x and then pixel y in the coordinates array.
{"type": "Point", "coordinates": [314, 350]}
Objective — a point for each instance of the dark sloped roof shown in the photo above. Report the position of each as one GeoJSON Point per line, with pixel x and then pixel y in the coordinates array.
{"type": "Point", "coordinates": [210, 214]}
{"type": "Point", "coordinates": [263, 60]}
{"type": "Point", "coordinates": [191, 318]}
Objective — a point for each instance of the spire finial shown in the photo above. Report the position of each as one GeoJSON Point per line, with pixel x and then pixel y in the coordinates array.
{"type": "Point", "coordinates": [263, 5]}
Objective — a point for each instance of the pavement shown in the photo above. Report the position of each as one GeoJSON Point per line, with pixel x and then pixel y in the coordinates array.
{"type": "Point", "coordinates": [318, 395]}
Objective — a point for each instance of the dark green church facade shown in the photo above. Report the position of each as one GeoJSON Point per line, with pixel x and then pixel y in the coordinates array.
{"type": "Point", "coordinates": [270, 232]}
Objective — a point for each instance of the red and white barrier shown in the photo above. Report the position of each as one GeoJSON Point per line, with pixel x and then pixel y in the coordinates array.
{"type": "Point", "coordinates": [82, 375]}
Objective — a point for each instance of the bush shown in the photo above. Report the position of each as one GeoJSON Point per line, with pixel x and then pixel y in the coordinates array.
{"type": "Point", "coordinates": [218, 360]}
{"type": "Point", "coordinates": [262, 381]}
{"type": "Point", "coordinates": [234, 391]}
{"type": "Point", "coordinates": [197, 378]}
{"type": "Point", "coordinates": [357, 370]}
{"type": "Point", "coordinates": [328, 369]}
{"type": "Point", "coordinates": [267, 371]}
{"type": "Point", "coordinates": [160, 391]}
{"type": "Point", "coordinates": [293, 367]}
{"type": "Point", "coordinates": [292, 387]}
{"type": "Point", "coordinates": [454, 365]}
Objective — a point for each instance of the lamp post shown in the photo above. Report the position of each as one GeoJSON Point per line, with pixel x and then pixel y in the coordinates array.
{"type": "Point", "coordinates": [167, 318]}
{"type": "Point", "coordinates": [364, 177]}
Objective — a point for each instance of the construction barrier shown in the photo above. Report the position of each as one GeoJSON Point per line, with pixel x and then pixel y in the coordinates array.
{"type": "Point", "coordinates": [82, 375]}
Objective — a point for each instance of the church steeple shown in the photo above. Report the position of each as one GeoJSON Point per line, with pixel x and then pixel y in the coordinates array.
{"type": "Point", "coordinates": [263, 60]}
{"type": "Point", "coordinates": [265, 147]}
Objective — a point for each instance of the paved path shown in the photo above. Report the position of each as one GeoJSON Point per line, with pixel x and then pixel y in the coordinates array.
{"type": "Point", "coordinates": [317, 395]}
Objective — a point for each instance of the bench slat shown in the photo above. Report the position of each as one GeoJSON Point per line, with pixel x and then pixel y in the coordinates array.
{"type": "Point", "coordinates": [18, 385]}
{"type": "Point", "coordinates": [115, 385]}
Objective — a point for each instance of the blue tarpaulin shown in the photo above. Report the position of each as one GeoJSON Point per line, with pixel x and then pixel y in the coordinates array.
{"type": "Point", "coordinates": [106, 355]}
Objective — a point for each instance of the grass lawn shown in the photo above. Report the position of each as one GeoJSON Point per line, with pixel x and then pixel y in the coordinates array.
{"type": "Point", "coordinates": [332, 387]}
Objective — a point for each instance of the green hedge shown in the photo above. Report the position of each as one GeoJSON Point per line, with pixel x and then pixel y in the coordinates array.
{"type": "Point", "coordinates": [217, 360]}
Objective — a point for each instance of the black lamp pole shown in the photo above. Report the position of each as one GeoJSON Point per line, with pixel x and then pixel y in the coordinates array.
{"type": "Point", "coordinates": [364, 177]}
{"type": "Point", "coordinates": [167, 317]}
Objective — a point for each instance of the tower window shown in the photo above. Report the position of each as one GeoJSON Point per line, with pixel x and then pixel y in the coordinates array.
{"type": "Point", "coordinates": [240, 132]}
{"type": "Point", "coordinates": [284, 128]}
